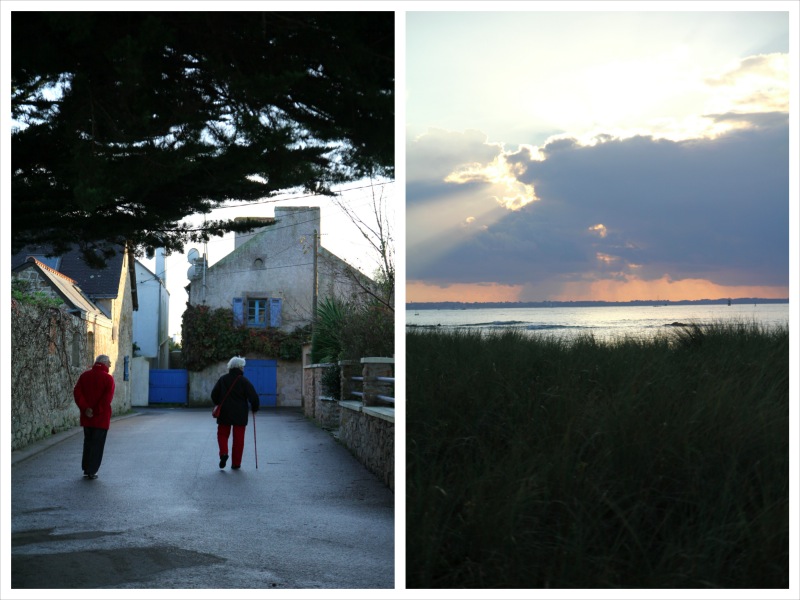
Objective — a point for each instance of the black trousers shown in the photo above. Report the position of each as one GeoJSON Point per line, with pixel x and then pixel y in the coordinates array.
{"type": "Point", "coordinates": [94, 441]}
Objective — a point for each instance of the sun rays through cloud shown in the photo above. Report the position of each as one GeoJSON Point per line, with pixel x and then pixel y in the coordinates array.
{"type": "Point", "coordinates": [651, 150]}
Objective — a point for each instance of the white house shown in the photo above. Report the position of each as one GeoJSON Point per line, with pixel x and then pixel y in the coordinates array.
{"type": "Point", "coordinates": [273, 279]}
{"type": "Point", "coordinates": [151, 321]}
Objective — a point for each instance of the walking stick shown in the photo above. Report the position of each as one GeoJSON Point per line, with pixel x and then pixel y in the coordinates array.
{"type": "Point", "coordinates": [255, 444]}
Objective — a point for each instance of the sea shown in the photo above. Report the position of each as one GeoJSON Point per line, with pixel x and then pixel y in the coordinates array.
{"type": "Point", "coordinates": [603, 322]}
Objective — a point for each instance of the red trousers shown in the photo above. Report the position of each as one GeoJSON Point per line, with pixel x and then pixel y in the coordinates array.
{"type": "Point", "coordinates": [223, 432]}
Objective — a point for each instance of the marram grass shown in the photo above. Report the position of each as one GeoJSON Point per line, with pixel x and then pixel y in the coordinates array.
{"type": "Point", "coordinates": [542, 462]}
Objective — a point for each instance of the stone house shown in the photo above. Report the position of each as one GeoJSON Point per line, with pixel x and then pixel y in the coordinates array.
{"type": "Point", "coordinates": [104, 299]}
{"type": "Point", "coordinates": [274, 277]}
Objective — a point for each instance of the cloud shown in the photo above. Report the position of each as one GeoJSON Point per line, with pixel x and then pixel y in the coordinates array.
{"type": "Point", "coordinates": [692, 196]}
{"type": "Point", "coordinates": [765, 67]}
{"type": "Point", "coordinates": [629, 209]}
{"type": "Point", "coordinates": [599, 229]}
{"type": "Point", "coordinates": [438, 153]}
{"type": "Point", "coordinates": [446, 160]}
{"type": "Point", "coordinates": [506, 189]}
{"type": "Point", "coordinates": [767, 120]}
{"type": "Point", "coordinates": [754, 84]}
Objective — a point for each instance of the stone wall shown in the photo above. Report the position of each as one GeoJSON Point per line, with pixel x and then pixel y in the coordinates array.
{"type": "Point", "coordinates": [328, 413]}
{"type": "Point", "coordinates": [363, 426]}
{"type": "Point", "coordinates": [369, 435]}
{"type": "Point", "coordinates": [316, 405]}
{"type": "Point", "coordinates": [290, 383]}
{"type": "Point", "coordinates": [310, 387]}
{"type": "Point", "coordinates": [49, 351]}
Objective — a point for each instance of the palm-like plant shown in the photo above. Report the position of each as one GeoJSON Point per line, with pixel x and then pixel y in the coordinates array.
{"type": "Point", "coordinates": [326, 341]}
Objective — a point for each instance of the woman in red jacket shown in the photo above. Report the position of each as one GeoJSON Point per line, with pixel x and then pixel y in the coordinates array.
{"type": "Point", "coordinates": [93, 395]}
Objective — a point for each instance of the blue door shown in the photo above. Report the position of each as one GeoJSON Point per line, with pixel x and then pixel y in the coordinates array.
{"type": "Point", "coordinates": [168, 386]}
{"type": "Point", "coordinates": [264, 376]}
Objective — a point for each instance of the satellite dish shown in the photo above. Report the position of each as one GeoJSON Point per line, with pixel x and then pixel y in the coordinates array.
{"type": "Point", "coordinates": [190, 273]}
{"type": "Point", "coordinates": [193, 255]}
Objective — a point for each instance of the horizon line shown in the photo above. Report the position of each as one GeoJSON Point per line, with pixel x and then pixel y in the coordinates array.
{"type": "Point", "coordinates": [658, 300]}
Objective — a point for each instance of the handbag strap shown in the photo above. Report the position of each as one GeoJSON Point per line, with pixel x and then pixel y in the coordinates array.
{"type": "Point", "coordinates": [229, 391]}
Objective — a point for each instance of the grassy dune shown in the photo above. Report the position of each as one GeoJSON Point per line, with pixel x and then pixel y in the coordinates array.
{"type": "Point", "coordinates": [542, 462]}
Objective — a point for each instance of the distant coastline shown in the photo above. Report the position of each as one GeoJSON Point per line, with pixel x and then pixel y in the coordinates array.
{"type": "Point", "coordinates": [585, 303]}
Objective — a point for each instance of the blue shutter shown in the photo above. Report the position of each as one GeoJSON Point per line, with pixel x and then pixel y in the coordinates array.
{"type": "Point", "coordinates": [275, 312]}
{"type": "Point", "coordinates": [238, 311]}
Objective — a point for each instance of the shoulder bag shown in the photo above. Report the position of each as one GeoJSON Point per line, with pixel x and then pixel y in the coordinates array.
{"type": "Point", "coordinates": [216, 410]}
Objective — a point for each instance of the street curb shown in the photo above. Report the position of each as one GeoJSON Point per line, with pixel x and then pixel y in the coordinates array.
{"type": "Point", "coordinates": [17, 456]}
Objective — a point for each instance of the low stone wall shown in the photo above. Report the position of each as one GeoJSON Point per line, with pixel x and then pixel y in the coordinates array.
{"type": "Point", "coordinates": [49, 351]}
{"type": "Point", "coordinates": [328, 412]}
{"type": "Point", "coordinates": [310, 387]}
{"type": "Point", "coordinates": [323, 409]}
{"type": "Point", "coordinates": [38, 425]}
{"type": "Point", "coordinates": [366, 430]}
{"type": "Point", "coordinates": [369, 434]}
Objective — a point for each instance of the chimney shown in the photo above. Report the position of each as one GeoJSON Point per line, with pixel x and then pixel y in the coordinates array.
{"type": "Point", "coordinates": [161, 271]}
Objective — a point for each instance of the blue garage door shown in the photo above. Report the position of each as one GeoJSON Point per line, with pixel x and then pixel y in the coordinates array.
{"type": "Point", "coordinates": [264, 376]}
{"type": "Point", "coordinates": [168, 386]}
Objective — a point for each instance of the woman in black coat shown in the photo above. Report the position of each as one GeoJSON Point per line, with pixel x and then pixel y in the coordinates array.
{"type": "Point", "coordinates": [234, 391]}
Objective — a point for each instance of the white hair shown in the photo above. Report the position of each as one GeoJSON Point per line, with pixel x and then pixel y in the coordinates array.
{"type": "Point", "coordinates": [103, 359]}
{"type": "Point", "coordinates": [237, 362]}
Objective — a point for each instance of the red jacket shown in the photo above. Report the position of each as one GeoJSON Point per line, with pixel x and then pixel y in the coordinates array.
{"type": "Point", "coordinates": [95, 390]}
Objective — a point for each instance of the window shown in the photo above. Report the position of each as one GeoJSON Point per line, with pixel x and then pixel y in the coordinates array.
{"type": "Point", "coordinates": [90, 346]}
{"type": "Point", "coordinates": [257, 312]}
{"type": "Point", "coordinates": [261, 312]}
{"type": "Point", "coordinates": [76, 351]}
{"type": "Point", "coordinates": [275, 312]}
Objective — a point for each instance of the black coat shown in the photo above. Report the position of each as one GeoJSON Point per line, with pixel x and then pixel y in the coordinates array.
{"type": "Point", "coordinates": [234, 410]}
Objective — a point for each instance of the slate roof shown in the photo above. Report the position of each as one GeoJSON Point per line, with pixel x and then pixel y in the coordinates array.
{"type": "Point", "coordinates": [66, 288]}
{"type": "Point", "coordinates": [95, 283]}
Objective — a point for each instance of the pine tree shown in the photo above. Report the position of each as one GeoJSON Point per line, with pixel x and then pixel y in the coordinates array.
{"type": "Point", "coordinates": [127, 122]}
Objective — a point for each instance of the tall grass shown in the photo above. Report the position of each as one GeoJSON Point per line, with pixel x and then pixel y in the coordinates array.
{"type": "Point", "coordinates": [542, 462]}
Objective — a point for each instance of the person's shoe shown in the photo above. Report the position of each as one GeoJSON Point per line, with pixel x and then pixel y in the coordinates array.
{"type": "Point", "coordinates": [235, 466]}
{"type": "Point", "coordinates": [92, 476]}
{"type": "Point", "coordinates": [223, 460]}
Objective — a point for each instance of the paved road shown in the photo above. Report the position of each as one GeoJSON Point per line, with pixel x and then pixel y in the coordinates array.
{"type": "Point", "coordinates": [162, 514]}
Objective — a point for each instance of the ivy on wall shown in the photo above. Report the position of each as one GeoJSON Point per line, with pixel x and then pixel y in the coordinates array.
{"type": "Point", "coordinates": [22, 291]}
{"type": "Point", "coordinates": [210, 336]}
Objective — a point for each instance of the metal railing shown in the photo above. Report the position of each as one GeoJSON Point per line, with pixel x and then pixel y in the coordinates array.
{"type": "Point", "coordinates": [374, 386]}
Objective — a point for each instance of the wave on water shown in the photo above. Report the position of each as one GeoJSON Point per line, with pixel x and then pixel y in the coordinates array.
{"type": "Point", "coordinates": [544, 327]}
{"type": "Point", "coordinates": [526, 325]}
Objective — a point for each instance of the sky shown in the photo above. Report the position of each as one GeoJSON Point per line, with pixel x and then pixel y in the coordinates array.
{"type": "Point", "coordinates": [597, 155]}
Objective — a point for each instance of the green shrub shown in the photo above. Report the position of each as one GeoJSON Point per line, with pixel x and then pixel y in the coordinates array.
{"type": "Point", "coordinates": [326, 343]}
{"type": "Point", "coordinates": [352, 331]}
{"type": "Point", "coordinates": [210, 336]}
{"type": "Point", "coordinates": [21, 291]}
{"type": "Point", "coordinates": [331, 382]}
